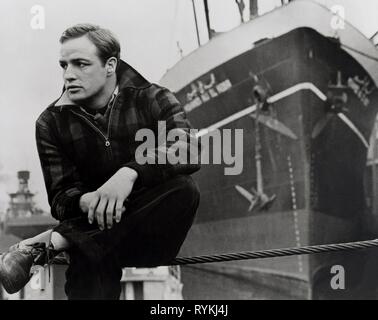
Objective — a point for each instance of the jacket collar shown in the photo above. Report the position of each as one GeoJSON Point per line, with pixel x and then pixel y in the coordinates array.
{"type": "Point", "coordinates": [127, 77]}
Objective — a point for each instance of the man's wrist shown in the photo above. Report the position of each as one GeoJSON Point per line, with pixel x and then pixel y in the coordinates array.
{"type": "Point", "coordinates": [131, 174]}
{"type": "Point", "coordinates": [82, 203]}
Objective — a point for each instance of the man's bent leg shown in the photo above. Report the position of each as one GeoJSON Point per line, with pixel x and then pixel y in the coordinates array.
{"type": "Point", "coordinates": [150, 233]}
{"type": "Point", "coordinates": [163, 224]}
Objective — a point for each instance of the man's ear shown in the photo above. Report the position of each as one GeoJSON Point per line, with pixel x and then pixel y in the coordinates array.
{"type": "Point", "coordinates": [111, 65]}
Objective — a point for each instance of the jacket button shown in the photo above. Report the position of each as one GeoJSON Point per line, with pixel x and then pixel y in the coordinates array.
{"type": "Point", "coordinates": [107, 143]}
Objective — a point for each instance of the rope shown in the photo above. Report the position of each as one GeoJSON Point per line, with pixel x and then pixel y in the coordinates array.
{"type": "Point", "coordinates": [262, 254]}
{"type": "Point", "coordinates": [273, 253]}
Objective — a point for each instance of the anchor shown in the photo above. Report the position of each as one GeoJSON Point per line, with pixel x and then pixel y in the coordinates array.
{"type": "Point", "coordinates": [336, 107]}
{"type": "Point", "coordinates": [257, 197]}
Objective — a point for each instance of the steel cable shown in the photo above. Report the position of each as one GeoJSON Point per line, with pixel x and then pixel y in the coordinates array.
{"type": "Point", "coordinates": [262, 254]}
{"type": "Point", "coordinates": [273, 253]}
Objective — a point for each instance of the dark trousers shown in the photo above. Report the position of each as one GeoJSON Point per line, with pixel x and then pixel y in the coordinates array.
{"type": "Point", "coordinates": [149, 234]}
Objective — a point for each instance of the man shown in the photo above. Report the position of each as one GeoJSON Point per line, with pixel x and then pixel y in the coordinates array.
{"type": "Point", "coordinates": [117, 206]}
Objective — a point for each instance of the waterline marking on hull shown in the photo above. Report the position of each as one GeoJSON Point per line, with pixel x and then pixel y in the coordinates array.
{"type": "Point", "coordinates": [281, 95]}
{"type": "Point", "coordinates": [350, 124]}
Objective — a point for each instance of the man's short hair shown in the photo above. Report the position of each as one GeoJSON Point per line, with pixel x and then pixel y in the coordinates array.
{"type": "Point", "coordinates": [106, 43]}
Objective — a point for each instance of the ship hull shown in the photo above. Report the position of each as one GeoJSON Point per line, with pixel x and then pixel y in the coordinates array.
{"type": "Point", "coordinates": [316, 177]}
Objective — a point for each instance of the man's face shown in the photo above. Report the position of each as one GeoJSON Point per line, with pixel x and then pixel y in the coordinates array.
{"type": "Point", "coordinates": [83, 71]}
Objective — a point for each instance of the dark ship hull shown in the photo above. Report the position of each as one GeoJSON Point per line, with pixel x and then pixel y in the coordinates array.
{"type": "Point", "coordinates": [314, 167]}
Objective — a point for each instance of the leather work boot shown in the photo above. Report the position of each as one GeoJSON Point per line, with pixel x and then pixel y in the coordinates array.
{"type": "Point", "coordinates": [16, 263]}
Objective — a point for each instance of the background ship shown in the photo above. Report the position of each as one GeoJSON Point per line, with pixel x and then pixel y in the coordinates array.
{"type": "Point", "coordinates": [23, 218]}
{"type": "Point", "coordinates": [305, 95]}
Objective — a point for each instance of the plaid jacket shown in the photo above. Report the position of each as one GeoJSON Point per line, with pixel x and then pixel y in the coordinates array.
{"type": "Point", "coordinates": [77, 155]}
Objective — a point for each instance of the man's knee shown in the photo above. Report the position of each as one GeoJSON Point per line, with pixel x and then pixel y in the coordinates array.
{"type": "Point", "coordinates": [187, 190]}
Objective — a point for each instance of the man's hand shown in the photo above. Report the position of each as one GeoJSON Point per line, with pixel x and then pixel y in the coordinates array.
{"type": "Point", "coordinates": [107, 201]}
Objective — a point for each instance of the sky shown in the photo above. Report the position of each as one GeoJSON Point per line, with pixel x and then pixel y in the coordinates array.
{"type": "Point", "coordinates": [154, 35]}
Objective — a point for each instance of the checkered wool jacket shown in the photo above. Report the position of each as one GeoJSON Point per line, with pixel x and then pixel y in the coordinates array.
{"type": "Point", "coordinates": [78, 154]}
